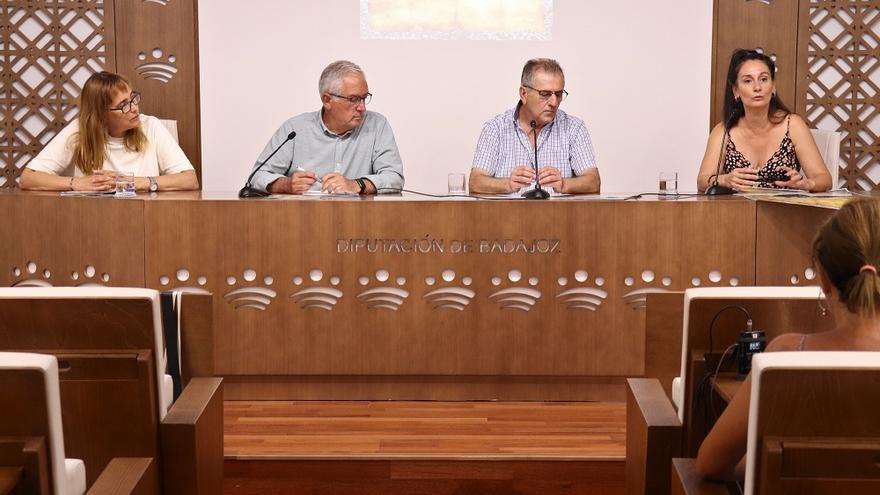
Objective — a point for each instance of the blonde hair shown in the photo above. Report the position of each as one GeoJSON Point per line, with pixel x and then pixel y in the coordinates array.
{"type": "Point", "coordinates": [90, 142]}
{"type": "Point", "coordinates": [848, 248]}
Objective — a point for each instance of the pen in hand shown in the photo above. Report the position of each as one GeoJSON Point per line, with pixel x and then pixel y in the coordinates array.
{"type": "Point", "coordinates": [300, 169]}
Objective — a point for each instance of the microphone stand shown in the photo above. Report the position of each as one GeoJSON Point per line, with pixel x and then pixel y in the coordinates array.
{"type": "Point", "coordinates": [248, 190]}
{"type": "Point", "coordinates": [717, 189]}
{"type": "Point", "coordinates": [538, 192]}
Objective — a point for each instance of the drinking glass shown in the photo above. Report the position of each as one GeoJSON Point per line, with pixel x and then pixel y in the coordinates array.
{"type": "Point", "coordinates": [125, 185]}
{"type": "Point", "coordinates": [456, 184]}
{"type": "Point", "coordinates": [668, 186]}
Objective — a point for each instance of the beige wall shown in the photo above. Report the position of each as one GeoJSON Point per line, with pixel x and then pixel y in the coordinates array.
{"type": "Point", "coordinates": [638, 73]}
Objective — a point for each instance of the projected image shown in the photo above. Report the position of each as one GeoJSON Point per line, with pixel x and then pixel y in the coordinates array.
{"type": "Point", "coordinates": [457, 19]}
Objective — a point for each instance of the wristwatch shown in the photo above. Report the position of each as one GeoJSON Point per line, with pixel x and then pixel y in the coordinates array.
{"type": "Point", "coordinates": [362, 185]}
{"type": "Point", "coordinates": [154, 186]}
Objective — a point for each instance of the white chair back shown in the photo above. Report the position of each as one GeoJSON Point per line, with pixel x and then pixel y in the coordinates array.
{"type": "Point", "coordinates": [68, 475]}
{"type": "Point", "coordinates": [734, 294]}
{"type": "Point", "coordinates": [801, 360]}
{"type": "Point", "coordinates": [171, 125]}
{"type": "Point", "coordinates": [828, 143]}
{"type": "Point", "coordinates": [163, 381]}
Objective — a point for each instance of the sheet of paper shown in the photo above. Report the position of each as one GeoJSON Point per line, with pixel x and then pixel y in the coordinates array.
{"type": "Point", "coordinates": [88, 193]}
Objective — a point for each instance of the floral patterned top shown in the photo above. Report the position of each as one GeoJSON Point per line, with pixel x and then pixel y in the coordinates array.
{"type": "Point", "coordinates": [771, 171]}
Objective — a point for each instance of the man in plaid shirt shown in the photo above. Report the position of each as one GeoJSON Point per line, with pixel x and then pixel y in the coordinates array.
{"type": "Point", "coordinates": [505, 155]}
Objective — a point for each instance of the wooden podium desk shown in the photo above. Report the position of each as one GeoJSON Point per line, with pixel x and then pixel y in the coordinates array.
{"type": "Point", "coordinates": [410, 298]}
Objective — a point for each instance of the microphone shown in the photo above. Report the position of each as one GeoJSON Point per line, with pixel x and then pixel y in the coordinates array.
{"type": "Point", "coordinates": [537, 192]}
{"type": "Point", "coordinates": [716, 189]}
{"type": "Point", "coordinates": [248, 191]}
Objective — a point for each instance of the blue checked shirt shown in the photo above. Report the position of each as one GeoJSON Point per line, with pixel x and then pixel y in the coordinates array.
{"type": "Point", "coordinates": [564, 143]}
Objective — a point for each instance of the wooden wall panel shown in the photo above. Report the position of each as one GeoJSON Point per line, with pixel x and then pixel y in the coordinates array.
{"type": "Point", "coordinates": [623, 248]}
{"type": "Point", "coordinates": [72, 241]}
{"type": "Point", "coordinates": [794, 228]}
{"type": "Point", "coordinates": [157, 49]}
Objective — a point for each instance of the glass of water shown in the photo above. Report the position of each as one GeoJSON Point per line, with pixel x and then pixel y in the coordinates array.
{"type": "Point", "coordinates": [668, 186]}
{"type": "Point", "coordinates": [125, 185]}
{"type": "Point", "coordinates": [456, 184]}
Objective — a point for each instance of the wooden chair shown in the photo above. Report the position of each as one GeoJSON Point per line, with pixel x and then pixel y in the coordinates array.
{"type": "Point", "coordinates": [115, 396]}
{"type": "Point", "coordinates": [813, 426]}
{"type": "Point", "coordinates": [657, 428]}
{"type": "Point", "coordinates": [813, 423]}
{"type": "Point", "coordinates": [31, 437]}
{"type": "Point", "coordinates": [30, 416]}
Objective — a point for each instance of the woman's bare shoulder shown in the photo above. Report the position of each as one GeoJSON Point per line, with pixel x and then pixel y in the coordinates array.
{"type": "Point", "coordinates": [786, 342]}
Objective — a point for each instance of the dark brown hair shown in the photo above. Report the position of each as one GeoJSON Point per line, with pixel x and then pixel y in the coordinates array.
{"type": "Point", "coordinates": [733, 108]}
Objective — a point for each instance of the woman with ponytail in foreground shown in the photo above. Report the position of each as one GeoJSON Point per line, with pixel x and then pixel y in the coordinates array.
{"type": "Point", "coordinates": [110, 136]}
{"type": "Point", "coordinates": [847, 252]}
{"type": "Point", "coordinates": [760, 143]}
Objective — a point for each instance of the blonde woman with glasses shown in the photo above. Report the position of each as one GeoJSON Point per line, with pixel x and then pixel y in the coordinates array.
{"type": "Point", "coordinates": [110, 136]}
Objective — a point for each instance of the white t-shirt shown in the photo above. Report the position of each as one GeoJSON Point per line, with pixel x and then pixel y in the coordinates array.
{"type": "Point", "coordinates": [162, 155]}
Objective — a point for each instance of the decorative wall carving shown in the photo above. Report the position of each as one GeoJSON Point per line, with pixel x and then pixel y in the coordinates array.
{"type": "Point", "coordinates": [158, 66]}
{"type": "Point", "coordinates": [49, 49]}
{"type": "Point", "coordinates": [510, 290]}
{"type": "Point", "coordinates": [840, 89]}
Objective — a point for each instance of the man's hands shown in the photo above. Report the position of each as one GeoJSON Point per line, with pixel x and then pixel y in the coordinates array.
{"type": "Point", "coordinates": [334, 182]}
{"type": "Point", "coordinates": [551, 177]}
{"type": "Point", "coordinates": [298, 183]}
{"type": "Point", "coordinates": [302, 180]}
{"type": "Point", "coordinates": [523, 176]}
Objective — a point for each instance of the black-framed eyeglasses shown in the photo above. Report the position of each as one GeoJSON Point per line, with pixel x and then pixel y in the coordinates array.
{"type": "Point", "coordinates": [355, 100]}
{"type": "Point", "coordinates": [545, 95]}
{"type": "Point", "coordinates": [125, 106]}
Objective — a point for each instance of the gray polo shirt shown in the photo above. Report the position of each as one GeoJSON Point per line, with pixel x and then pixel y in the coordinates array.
{"type": "Point", "coordinates": [368, 151]}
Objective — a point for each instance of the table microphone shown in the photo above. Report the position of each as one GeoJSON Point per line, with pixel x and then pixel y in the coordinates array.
{"type": "Point", "coordinates": [248, 191]}
{"type": "Point", "coordinates": [716, 189]}
{"type": "Point", "coordinates": [537, 192]}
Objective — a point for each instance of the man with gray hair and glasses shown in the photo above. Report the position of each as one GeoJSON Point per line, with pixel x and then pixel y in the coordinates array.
{"type": "Point", "coordinates": [505, 155]}
{"type": "Point", "coordinates": [341, 148]}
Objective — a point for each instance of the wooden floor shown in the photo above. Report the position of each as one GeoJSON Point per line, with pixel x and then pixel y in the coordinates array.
{"type": "Point", "coordinates": [424, 447]}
